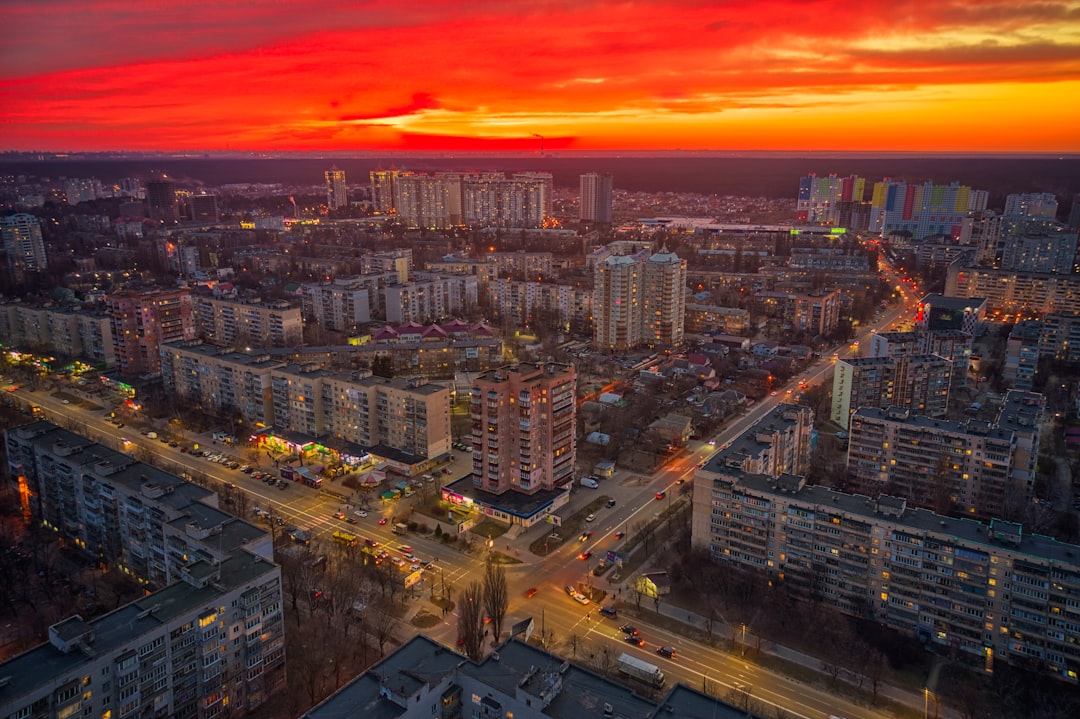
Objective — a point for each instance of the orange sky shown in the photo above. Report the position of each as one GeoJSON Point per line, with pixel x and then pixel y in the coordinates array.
{"type": "Point", "coordinates": [895, 75]}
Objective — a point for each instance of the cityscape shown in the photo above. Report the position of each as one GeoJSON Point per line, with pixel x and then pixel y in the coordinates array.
{"type": "Point", "coordinates": [385, 361]}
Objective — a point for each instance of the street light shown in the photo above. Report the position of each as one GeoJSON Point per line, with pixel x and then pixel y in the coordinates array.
{"type": "Point", "coordinates": [743, 648]}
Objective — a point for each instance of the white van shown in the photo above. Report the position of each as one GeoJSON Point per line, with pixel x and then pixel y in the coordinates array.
{"type": "Point", "coordinates": [589, 482]}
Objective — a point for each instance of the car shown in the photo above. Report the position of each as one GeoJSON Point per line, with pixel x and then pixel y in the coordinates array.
{"type": "Point", "coordinates": [585, 536]}
{"type": "Point", "coordinates": [773, 393]}
{"type": "Point", "coordinates": [65, 401]}
{"type": "Point", "coordinates": [398, 561]}
{"type": "Point", "coordinates": [610, 503]}
{"type": "Point", "coordinates": [360, 513]}
{"type": "Point", "coordinates": [174, 444]}
{"type": "Point", "coordinates": [353, 520]}
{"type": "Point", "coordinates": [247, 469]}
{"type": "Point", "coordinates": [620, 535]}
{"type": "Point", "coordinates": [661, 494]}
{"type": "Point", "coordinates": [382, 521]}
{"type": "Point", "coordinates": [629, 629]}
{"type": "Point", "coordinates": [633, 639]}
{"type": "Point", "coordinates": [339, 515]}
{"type": "Point", "coordinates": [584, 555]}
{"type": "Point", "coordinates": [119, 425]}
{"type": "Point", "coordinates": [530, 592]}
{"type": "Point", "coordinates": [712, 442]}
{"type": "Point", "coordinates": [282, 484]}
{"type": "Point", "coordinates": [590, 518]}
{"type": "Point", "coordinates": [609, 611]}
{"type": "Point", "coordinates": [667, 652]}
{"type": "Point", "coordinates": [581, 598]}
{"type": "Point", "coordinates": [680, 480]}
{"type": "Point", "coordinates": [163, 440]}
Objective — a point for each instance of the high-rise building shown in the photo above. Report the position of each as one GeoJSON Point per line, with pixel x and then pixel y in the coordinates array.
{"type": "Point", "coordinates": [926, 209]}
{"type": "Point", "coordinates": [596, 198]}
{"type": "Point", "coordinates": [336, 195]}
{"type": "Point", "coordinates": [78, 190]}
{"type": "Point", "coordinates": [1073, 223]}
{"type": "Point", "coordinates": [383, 199]}
{"type": "Point", "coordinates": [1039, 247]}
{"type": "Point", "coordinates": [947, 466]}
{"type": "Point", "coordinates": [663, 297]}
{"type": "Point", "coordinates": [639, 299]}
{"type": "Point", "coordinates": [203, 207]}
{"type": "Point", "coordinates": [1041, 205]}
{"type": "Point", "coordinates": [917, 382]}
{"type": "Point", "coordinates": [142, 320]}
{"type": "Point", "coordinates": [824, 199]}
{"type": "Point", "coordinates": [523, 420]}
{"type": "Point", "coordinates": [211, 584]}
{"type": "Point", "coordinates": [161, 199]}
{"type": "Point", "coordinates": [23, 244]}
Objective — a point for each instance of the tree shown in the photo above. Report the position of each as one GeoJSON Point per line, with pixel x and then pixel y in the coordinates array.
{"type": "Point", "coordinates": [382, 623]}
{"type": "Point", "coordinates": [471, 620]}
{"type": "Point", "coordinates": [496, 597]}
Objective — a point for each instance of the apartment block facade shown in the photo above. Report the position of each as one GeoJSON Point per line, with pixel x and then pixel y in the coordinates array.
{"type": "Point", "coordinates": [946, 466]}
{"type": "Point", "coordinates": [429, 299]}
{"type": "Point", "coordinates": [817, 313]}
{"type": "Point", "coordinates": [520, 303]}
{"type": "Point", "coordinates": [209, 635]}
{"type": "Point", "coordinates": [778, 443]}
{"type": "Point", "coordinates": [524, 428]}
{"type": "Point", "coordinates": [405, 414]}
{"type": "Point", "coordinates": [1010, 294]}
{"type": "Point", "coordinates": [220, 383]}
{"type": "Point", "coordinates": [985, 590]}
{"type": "Point", "coordinates": [917, 382]}
{"type": "Point", "coordinates": [233, 322]}
{"type": "Point", "coordinates": [85, 335]}
{"type": "Point", "coordinates": [343, 303]}
{"type": "Point", "coordinates": [639, 299]}
{"type": "Point", "coordinates": [143, 320]}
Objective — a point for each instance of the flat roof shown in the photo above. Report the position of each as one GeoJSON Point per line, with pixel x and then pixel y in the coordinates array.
{"type": "Point", "coordinates": [518, 504]}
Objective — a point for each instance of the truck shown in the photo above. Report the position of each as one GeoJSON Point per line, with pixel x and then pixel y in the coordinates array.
{"type": "Point", "coordinates": [635, 668]}
{"type": "Point", "coordinates": [349, 540]}
{"type": "Point", "coordinates": [400, 528]}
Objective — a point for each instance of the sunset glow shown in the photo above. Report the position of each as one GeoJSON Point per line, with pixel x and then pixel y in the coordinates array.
{"type": "Point", "coordinates": [895, 75]}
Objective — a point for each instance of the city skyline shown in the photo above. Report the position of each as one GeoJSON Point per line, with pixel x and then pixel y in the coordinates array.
{"type": "Point", "coordinates": [955, 77]}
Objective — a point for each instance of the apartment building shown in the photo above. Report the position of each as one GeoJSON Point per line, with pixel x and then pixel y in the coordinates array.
{"type": "Point", "coordinates": [345, 302]}
{"type": "Point", "coordinates": [712, 318]}
{"type": "Point", "coordinates": [953, 345]}
{"type": "Point", "coordinates": [947, 466]}
{"type": "Point", "coordinates": [520, 303]}
{"type": "Point", "coordinates": [778, 443]}
{"type": "Point", "coordinates": [523, 428]}
{"type": "Point", "coordinates": [143, 320]}
{"type": "Point", "coordinates": [429, 299]}
{"type": "Point", "coordinates": [80, 334]}
{"type": "Point", "coordinates": [218, 382]}
{"type": "Point", "coordinates": [251, 323]}
{"type": "Point", "coordinates": [814, 312]}
{"type": "Point", "coordinates": [1012, 294]}
{"type": "Point", "coordinates": [210, 633]}
{"type": "Point", "coordinates": [916, 382]}
{"type": "Point", "coordinates": [985, 590]}
{"type": "Point", "coordinates": [406, 415]}
{"type": "Point", "coordinates": [938, 313]}
{"type": "Point", "coordinates": [483, 271]}
{"type": "Point", "coordinates": [639, 299]}
{"type": "Point", "coordinates": [22, 243]}
{"type": "Point", "coordinates": [530, 265]}
{"type": "Point", "coordinates": [1057, 336]}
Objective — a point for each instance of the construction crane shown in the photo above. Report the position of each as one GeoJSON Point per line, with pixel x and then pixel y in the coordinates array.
{"type": "Point", "coordinates": [541, 143]}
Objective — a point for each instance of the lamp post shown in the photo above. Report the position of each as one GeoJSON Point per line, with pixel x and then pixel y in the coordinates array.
{"type": "Point", "coordinates": [742, 650]}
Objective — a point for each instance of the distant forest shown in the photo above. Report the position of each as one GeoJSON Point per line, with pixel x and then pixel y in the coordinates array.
{"type": "Point", "coordinates": [757, 177]}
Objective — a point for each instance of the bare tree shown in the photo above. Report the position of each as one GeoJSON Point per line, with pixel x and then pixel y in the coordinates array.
{"type": "Point", "coordinates": [382, 621]}
{"type": "Point", "coordinates": [496, 597]}
{"type": "Point", "coordinates": [471, 620]}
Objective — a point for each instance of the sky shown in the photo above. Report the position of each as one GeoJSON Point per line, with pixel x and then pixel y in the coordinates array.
{"type": "Point", "coordinates": [463, 75]}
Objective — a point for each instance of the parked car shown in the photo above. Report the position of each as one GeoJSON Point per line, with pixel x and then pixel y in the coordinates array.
{"type": "Point", "coordinates": [609, 611]}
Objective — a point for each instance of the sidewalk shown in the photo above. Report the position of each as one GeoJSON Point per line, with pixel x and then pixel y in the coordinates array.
{"type": "Point", "coordinates": [913, 700]}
